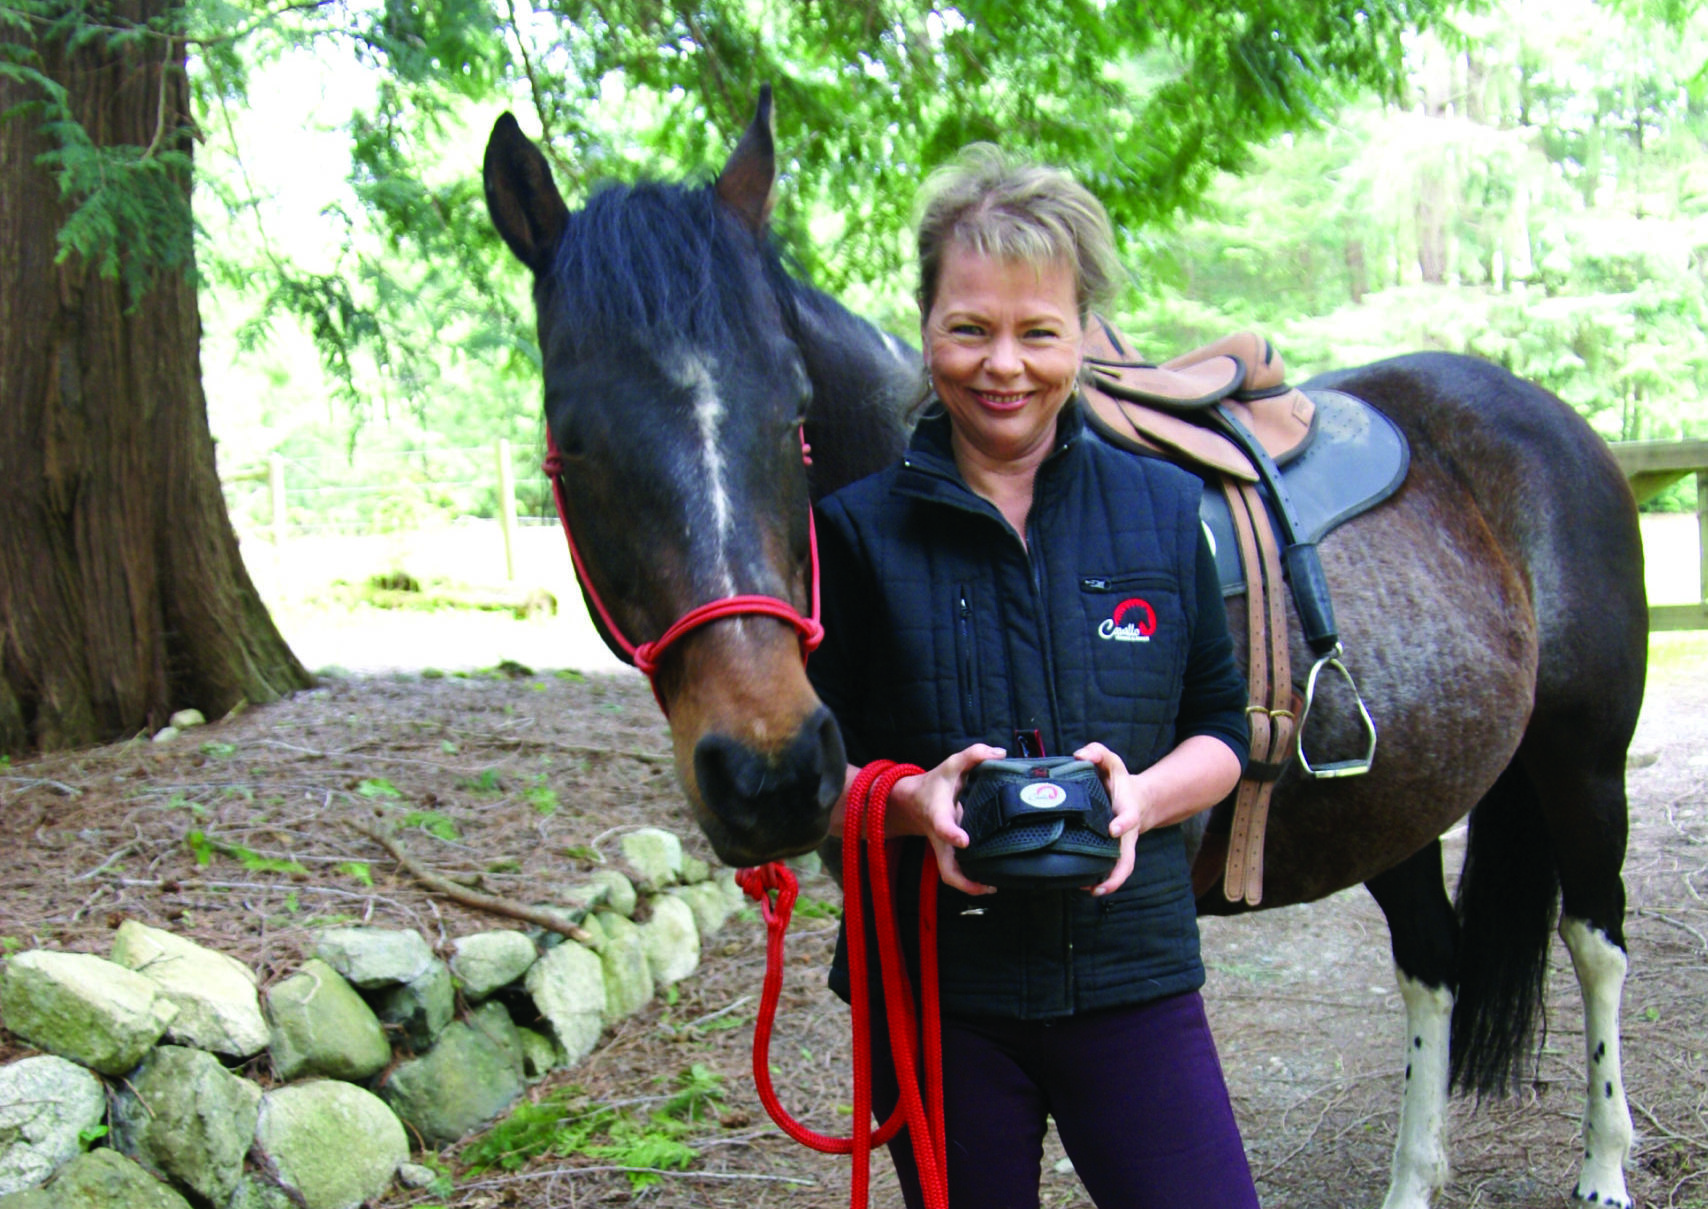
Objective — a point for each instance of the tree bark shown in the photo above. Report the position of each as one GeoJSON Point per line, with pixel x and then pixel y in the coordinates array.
{"type": "Point", "coordinates": [122, 593]}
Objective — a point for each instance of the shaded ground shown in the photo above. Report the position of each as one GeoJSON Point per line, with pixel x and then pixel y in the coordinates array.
{"type": "Point", "coordinates": [523, 778]}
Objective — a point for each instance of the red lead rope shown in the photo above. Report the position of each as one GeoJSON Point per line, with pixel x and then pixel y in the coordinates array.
{"type": "Point", "coordinates": [867, 799]}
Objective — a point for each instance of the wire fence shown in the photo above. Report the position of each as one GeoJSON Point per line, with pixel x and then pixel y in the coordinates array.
{"type": "Point", "coordinates": [390, 491]}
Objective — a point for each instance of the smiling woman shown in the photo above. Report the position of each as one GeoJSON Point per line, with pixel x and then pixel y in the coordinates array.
{"type": "Point", "coordinates": [958, 623]}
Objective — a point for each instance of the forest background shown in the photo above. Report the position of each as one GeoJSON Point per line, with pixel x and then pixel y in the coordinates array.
{"type": "Point", "coordinates": [1536, 195]}
{"type": "Point", "coordinates": [1522, 181]}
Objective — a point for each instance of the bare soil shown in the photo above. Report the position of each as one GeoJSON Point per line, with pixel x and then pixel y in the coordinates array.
{"type": "Point", "coordinates": [1303, 1000]}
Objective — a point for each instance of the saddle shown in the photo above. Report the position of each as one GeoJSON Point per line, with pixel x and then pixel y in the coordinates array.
{"type": "Point", "coordinates": [1226, 412]}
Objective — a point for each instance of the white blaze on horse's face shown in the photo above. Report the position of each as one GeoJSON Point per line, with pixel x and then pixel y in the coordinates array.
{"type": "Point", "coordinates": [693, 374]}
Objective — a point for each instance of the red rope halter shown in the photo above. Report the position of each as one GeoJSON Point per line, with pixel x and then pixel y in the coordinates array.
{"type": "Point", "coordinates": [647, 656]}
{"type": "Point", "coordinates": [867, 799]}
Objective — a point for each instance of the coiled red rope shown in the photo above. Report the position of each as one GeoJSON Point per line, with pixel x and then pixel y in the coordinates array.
{"type": "Point", "coordinates": [915, 1043]}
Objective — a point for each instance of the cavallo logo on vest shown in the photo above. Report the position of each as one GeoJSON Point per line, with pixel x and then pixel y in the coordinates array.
{"type": "Point", "coordinates": [1134, 621]}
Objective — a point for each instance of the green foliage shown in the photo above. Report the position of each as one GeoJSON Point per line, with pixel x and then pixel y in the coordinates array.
{"type": "Point", "coordinates": [89, 1135]}
{"type": "Point", "coordinates": [358, 870]}
{"type": "Point", "coordinates": [202, 847]}
{"type": "Point", "coordinates": [1540, 202]}
{"type": "Point", "coordinates": [543, 797]}
{"type": "Point", "coordinates": [128, 206]}
{"type": "Point", "coordinates": [565, 1122]}
{"type": "Point", "coordinates": [433, 823]}
{"type": "Point", "coordinates": [377, 787]}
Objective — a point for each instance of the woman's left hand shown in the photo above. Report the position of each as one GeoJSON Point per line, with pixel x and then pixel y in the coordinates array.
{"type": "Point", "coordinates": [1128, 799]}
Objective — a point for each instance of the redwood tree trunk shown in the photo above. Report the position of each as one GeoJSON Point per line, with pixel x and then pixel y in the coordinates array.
{"type": "Point", "coordinates": [122, 594]}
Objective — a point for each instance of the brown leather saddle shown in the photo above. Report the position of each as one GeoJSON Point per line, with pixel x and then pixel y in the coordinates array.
{"type": "Point", "coordinates": [1226, 412]}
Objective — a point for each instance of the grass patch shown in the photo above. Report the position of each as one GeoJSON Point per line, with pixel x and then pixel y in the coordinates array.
{"type": "Point", "coordinates": [567, 1122]}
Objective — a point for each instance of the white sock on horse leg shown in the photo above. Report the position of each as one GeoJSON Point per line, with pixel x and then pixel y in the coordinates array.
{"type": "Point", "coordinates": [1600, 966]}
{"type": "Point", "coordinates": [1420, 1152]}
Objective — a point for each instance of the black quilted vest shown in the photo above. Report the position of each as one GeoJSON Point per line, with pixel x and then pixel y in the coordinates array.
{"type": "Point", "coordinates": [943, 629]}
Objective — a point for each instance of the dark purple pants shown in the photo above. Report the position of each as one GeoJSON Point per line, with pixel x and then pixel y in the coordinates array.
{"type": "Point", "coordinates": [1137, 1095]}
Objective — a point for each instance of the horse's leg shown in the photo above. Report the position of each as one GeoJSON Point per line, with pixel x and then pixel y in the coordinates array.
{"type": "Point", "coordinates": [1587, 824]}
{"type": "Point", "coordinates": [1424, 933]}
{"type": "Point", "coordinates": [1607, 1118]}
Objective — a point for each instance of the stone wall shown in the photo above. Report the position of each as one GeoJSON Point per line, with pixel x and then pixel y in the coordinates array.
{"type": "Point", "coordinates": [133, 1100]}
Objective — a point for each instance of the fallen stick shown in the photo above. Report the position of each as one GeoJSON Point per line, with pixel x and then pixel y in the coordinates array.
{"type": "Point", "coordinates": [470, 898]}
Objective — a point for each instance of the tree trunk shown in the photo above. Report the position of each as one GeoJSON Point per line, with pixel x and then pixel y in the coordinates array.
{"type": "Point", "coordinates": [122, 594]}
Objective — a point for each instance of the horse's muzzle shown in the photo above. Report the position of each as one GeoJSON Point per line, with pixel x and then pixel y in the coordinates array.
{"type": "Point", "coordinates": [760, 806]}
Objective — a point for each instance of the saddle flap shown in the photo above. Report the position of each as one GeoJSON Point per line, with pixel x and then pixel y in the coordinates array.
{"type": "Point", "coordinates": [1186, 389]}
{"type": "Point", "coordinates": [1151, 408]}
{"type": "Point", "coordinates": [1140, 429]}
{"type": "Point", "coordinates": [1186, 386]}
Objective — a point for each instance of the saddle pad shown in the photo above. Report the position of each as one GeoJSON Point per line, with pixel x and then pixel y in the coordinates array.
{"type": "Point", "coordinates": [1356, 458]}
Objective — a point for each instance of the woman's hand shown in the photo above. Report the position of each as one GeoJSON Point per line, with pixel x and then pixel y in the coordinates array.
{"type": "Point", "coordinates": [1129, 802]}
{"type": "Point", "coordinates": [1194, 776]}
{"type": "Point", "coordinates": [929, 805]}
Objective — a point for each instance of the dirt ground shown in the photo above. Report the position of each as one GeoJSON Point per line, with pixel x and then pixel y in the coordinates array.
{"type": "Point", "coordinates": [514, 782]}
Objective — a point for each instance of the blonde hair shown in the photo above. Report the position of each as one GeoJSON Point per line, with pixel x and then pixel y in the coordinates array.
{"type": "Point", "coordinates": [1009, 208]}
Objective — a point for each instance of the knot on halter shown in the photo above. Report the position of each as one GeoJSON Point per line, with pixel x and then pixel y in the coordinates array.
{"type": "Point", "coordinates": [553, 464]}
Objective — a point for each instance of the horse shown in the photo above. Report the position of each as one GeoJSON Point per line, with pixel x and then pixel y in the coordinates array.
{"type": "Point", "coordinates": [1493, 609]}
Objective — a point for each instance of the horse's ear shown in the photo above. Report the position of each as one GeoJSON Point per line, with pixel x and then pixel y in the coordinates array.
{"type": "Point", "coordinates": [745, 183]}
{"type": "Point", "coordinates": [524, 203]}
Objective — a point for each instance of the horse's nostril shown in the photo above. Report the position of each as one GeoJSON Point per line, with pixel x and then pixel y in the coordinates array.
{"type": "Point", "coordinates": [779, 802]}
{"type": "Point", "coordinates": [831, 756]}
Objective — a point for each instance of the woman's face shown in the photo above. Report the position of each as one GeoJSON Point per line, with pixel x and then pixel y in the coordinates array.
{"type": "Point", "coordinates": [1002, 342]}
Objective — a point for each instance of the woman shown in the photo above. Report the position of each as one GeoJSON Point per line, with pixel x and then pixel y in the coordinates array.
{"type": "Point", "coordinates": [966, 592]}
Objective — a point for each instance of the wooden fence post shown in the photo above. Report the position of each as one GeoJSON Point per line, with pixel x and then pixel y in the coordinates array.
{"type": "Point", "coordinates": [1702, 529]}
{"type": "Point", "coordinates": [507, 507]}
{"type": "Point", "coordinates": [276, 492]}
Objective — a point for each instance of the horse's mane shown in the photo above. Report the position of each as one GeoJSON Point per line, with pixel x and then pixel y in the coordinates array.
{"type": "Point", "coordinates": [652, 260]}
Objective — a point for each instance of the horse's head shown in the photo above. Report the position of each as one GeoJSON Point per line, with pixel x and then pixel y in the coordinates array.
{"type": "Point", "coordinates": [676, 384]}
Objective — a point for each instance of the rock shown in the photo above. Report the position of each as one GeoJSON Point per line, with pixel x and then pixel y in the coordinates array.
{"type": "Point", "coordinates": [184, 719]}
{"type": "Point", "coordinates": [105, 1179]}
{"type": "Point", "coordinates": [486, 961]}
{"type": "Point", "coordinates": [35, 1198]}
{"type": "Point", "coordinates": [165, 734]}
{"type": "Point", "coordinates": [320, 1026]}
{"type": "Point", "coordinates": [708, 903]}
{"type": "Point", "coordinates": [628, 977]}
{"type": "Point", "coordinates": [331, 1143]}
{"type": "Point", "coordinates": [374, 957]}
{"type": "Point", "coordinates": [549, 938]}
{"type": "Point", "coordinates": [620, 893]}
{"type": "Point", "coordinates": [656, 857]}
{"type": "Point", "coordinates": [539, 1054]}
{"type": "Point", "coordinates": [724, 880]}
{"type": "Point", "coordinates": [82, 1007]}
{"type": "Point", "coordinates": [45, 1105]}
{"type": "Point", "coordinates": [253, 1193]}
{"type": "Point", "coordinates": [218, 1008]}
{"type": "Point", "coordinates": [468, 1078]}
{"type": "Point", "coordinates": [186, 1117]}
{"type": "Point", "coordinates": [807, 863]}
{"type": "Point", "coordinates": [694, 870]}
{"type": "Point", "coordinates": [595, 930]}
{"type": "Point", "coordinates": [421, 1009]}
{"type": "Point", "coordinates": [670, 940]}
{"type": "Point", "coordinates": [414, 1175]}
{"type": "Point", "coordinates": [587, 896]}
{"type": "Point", "coordinates": [567, 986]}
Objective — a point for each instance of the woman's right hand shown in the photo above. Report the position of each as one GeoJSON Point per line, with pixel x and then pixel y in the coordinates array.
{"type": "Point", "coordinates": [929, 805]}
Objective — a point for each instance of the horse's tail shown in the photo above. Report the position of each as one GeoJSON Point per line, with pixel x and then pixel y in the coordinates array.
{"type": "Point", "coordinates": [1507, 899]}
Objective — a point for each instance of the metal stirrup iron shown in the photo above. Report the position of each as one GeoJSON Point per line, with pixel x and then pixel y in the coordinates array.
{"type": "Point", "coordinates": [1357, 766]}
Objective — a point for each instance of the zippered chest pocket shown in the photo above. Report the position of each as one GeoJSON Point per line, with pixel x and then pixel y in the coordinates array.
{"type": "Point", "coordinates": [1136, 627]}
{"type": "Point", "coordinates": [967, 662]}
